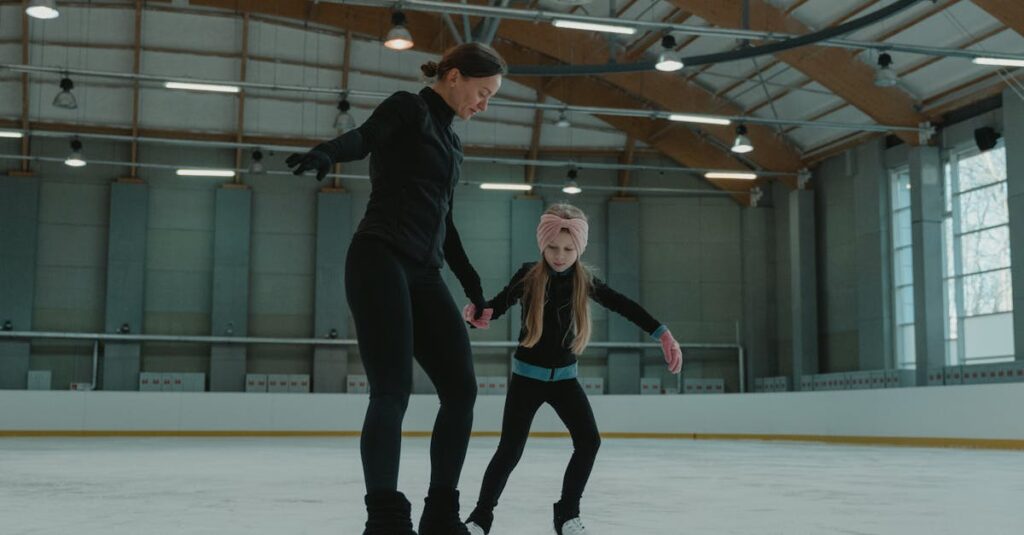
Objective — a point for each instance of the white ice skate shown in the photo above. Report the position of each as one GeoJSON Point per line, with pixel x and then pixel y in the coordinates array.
{"type": "Point", "coordinates": [474, 529]}
{"type": "Point", "coordinates": [574, 526]}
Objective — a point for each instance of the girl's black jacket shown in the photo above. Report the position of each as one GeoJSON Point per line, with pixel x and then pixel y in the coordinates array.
{"type": "Point", "coordinates": [553, 349]}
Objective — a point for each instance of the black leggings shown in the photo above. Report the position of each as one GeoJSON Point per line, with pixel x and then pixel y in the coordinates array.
{"type": "Point", "coordinates": [402, 309]}
{"type": "Point", "coordinates": [524, 398]}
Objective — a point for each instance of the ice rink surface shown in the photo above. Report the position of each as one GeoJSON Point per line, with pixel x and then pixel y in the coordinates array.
{"type": "Point", "coordinates": [227, 486]}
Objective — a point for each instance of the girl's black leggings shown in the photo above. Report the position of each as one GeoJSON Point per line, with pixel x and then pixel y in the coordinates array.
{"type": "Point", "coordinates": [524, 398]}
{"type": "Point", "coordinates": [403, 310]}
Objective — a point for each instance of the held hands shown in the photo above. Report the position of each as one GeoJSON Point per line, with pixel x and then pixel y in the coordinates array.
{"type": "Point", "coordinates": [479, 318]}
{"type": "Point", "coordinates": [313, 160]}
{"type": "Point", "coordinates": [673, 355]}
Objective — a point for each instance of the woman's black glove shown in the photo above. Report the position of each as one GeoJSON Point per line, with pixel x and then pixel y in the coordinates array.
{"type": "Point", "coordinates": [314, 159]}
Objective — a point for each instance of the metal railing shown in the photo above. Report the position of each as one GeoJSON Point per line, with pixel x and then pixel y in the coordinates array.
{"type": "Point", "coordinates": [96, 338]}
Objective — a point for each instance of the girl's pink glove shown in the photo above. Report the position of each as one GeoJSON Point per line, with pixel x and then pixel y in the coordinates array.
{"type": "Point", "coordinates": [673, 355]}
{"type": "Point", "coordinates": [483, 322]}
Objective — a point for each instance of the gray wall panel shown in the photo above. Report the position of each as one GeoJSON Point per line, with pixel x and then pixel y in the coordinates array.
{"type": "Point", "coordinates": [229, 312]}
{"type": "Point", "coordinates": [334, 234]}
{"type": "Point", "coordinates": [19, 221]}
{"type": "Point", "coordinates": [624, 277]}
{"type": "Point", "coordinates": [803, 284]}
{"type": "Point", "coordinates": [125, 293]}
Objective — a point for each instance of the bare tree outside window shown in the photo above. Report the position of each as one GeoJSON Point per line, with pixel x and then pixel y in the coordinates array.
{"type": "Point", "coordinates": [977, 255]}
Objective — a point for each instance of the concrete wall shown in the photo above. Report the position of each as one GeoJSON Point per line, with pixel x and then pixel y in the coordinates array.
{"type": "Point", "coordinates": [783, 338]}
{"type": "Point", "coordinates": [706, 263]}
{"type": "Point", "coordinates": [853, 260]}
{"type": "Point", "coordinates": [689, 274]}
{"type": "Point", "coordinates": [692, 278]}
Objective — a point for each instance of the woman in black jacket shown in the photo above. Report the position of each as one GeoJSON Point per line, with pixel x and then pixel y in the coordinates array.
{"type": "Point", "coordinates": [399, 302]}
{"type": "Point", "coordinates": [555, 294]}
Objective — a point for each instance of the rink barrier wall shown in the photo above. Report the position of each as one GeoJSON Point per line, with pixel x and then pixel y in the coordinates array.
{"type": "Point", "coordinates": [976, 416]}
{"type": "Point", "coordinates": [915, 442]}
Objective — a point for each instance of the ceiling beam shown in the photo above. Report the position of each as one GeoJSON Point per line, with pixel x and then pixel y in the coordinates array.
{"type": "Point", "coordinates": [822, 113]}
{"type": "Point", "coordinates": [939, 7]}
{"type": "Point", "coordinates": [653, 89]}
{"type": "Point", "coordinates": [618, 13]}
{"type": "Point", "coordinates": [839, 146]}
{"type": "Point", "coordinates": [517, 42]}
{"type": "Point", "coordinates": [846, 76]}
{"type": "Point", "coordinates": [964, 45]}
{"type": "Point", "coordinates": [757, 72]}
{"type": "Point", "coordinates": [965, 94]}
{"type": "Point", "coordinates": [796, 5]}
{"type": "Point", "coordinates": [1009, 12]}
{"type": "Point", "coordinates": [680, 144]}
{"type": "Point", "coordinates": [724, 138]}
{"type": "Point", "coordinates": [768, 66]}
{"type": "Point", "coordinates": [905, 72]}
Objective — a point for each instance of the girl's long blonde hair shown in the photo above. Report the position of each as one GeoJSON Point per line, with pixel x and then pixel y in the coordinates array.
{"type": "Point", "coordinates": [535, 293]}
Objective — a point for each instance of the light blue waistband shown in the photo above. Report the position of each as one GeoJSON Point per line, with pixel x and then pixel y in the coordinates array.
{"type": "Point", "coordinates": [541, 373]}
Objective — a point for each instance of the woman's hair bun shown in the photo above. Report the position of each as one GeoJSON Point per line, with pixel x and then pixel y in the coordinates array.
{"type": "Point", "coordinates": [429, 69]}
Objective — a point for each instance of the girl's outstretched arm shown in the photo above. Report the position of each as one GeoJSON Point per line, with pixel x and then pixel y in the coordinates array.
{"type": "Point", "coordinates": [635, 313]}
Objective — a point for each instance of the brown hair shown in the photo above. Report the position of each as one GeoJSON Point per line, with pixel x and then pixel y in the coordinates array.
{"type": "Point", "coordinates": [534, 293]}
{"type": "Point", "coordinates": [475, 60]}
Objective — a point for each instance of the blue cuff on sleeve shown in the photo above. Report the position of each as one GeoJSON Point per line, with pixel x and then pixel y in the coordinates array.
{"type": "Point", "coordinates": [658, 332]}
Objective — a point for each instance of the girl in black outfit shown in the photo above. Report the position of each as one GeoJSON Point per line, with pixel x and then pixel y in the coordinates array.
{"type": "Point", "coordinates": [401, 307]}
{"type": "Point", "coordinates": [556, 328]}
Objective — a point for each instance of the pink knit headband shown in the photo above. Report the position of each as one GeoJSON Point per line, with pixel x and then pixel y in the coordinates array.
{"type": "Point", "coordinates": [550, 225]}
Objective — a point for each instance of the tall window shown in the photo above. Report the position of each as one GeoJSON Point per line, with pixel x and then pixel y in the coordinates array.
{"type": "Point", "coordinates": [902, 269]}
{"type": "Point", "coordinates": [949, 280]}
{"type": "Point", "coordinates": [977, 250]}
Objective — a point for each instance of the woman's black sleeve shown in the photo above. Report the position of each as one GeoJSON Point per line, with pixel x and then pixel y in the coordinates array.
{"type": "Point", "coordinates": [388, 119]}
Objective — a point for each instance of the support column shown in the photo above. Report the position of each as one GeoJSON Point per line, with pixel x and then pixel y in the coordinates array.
{"type": "Point", "coordinates": [126, 269]}
{"type": "Point", "coordinates": [1013, 134]}
{"type": "Point", "coordinates": [926, 206]}
{"type": "Point", "coordinates": [229, 315]}
{"type": "Point", "coordinates": [333, 236]}
{"type": "Point", "coordinates": [624, 366]}
{"type": "Point", "coordinates": [874, 274]}
{"type": "Point", "coordinates": [758, 283]}
{"type": "Point", "coordinates": [19, 221]}
{"type": "Point", "coordinates": [803, 284]}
